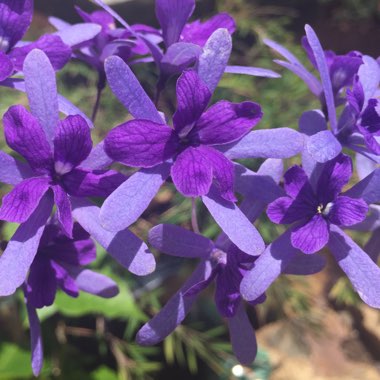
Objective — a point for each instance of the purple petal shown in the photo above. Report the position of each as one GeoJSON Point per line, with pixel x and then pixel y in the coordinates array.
{"type": "Point", "coordinates": [6, 66]}
{"type": "Point", "coordinates": [334, 176]}
{"type": "Point", "coordinates": [175, 310]}
{"type": "Point", "coordinates": [36, 340]}
{"type": "Point", "coordinates": [227, 292]}
{"type": "Point", "coordinates": [323, 69]}
{"type": "Point", "coordinates": [128, 90]}
{"type": "Point", "coordinates": [346, 211]}
{"type": "Point", "coordinates": [54, 48]}
{"type": "Point", "coordinates": [226, 122]}
{"type": "Point", "coordinates": [141, 143]}
{"type": "Point", "coordinates": [12, 171]}
{"type": "Point", "coordinates": [178, 57]}
{"type": "Point", "coordinates": [19, 204]}
{"type": "Point", "coordinates": [233, 222]}
{"type": "Point", "coordinates": [369, 76]}
{"type": "Point", "coordinates": [172, 16]}
{"type": "Point", "coordinates": [137, 192]}
{"type": "Point", "coordinates": [213, 61]}
{"type": "Point", "coordinates": [123, 246]}
{"type": "Point", "coordinates": [302, 264]}
{"type": "Point", "coordinates": [63, 210]}
{"type": "Point", "coordinates": [64, 105]}
{"type": "Point", "coordinates": [266, 143]}
{"type": "Point", "coordinates": [41, 284]}
{"type": "Point", "coordinates": [25, 135]}
{"type": "Point", "coordinates": [97, 183]}
{"type": "Point", "coordinates": [97, 159]}
{"type": "Point", "coordinates": [192, 172]}
{"type": "Point", "coordinates": [177, 241]}
{"type": "Point", "coordinates": [312, 236]}
{"type": "Point", "coordinates": [95, 283]}
{"type": "Point", "coordinates": [242, 337]}
{"type": "Point", "coordinates": [343, 69]}
{"type": "Point", "coordinates": [72, 143]}
{"type": "Point", "coordinates": [273, 168]}
{"type": "Point", "coordinates": [15, 19]}
{"type": "Point", "coordinates": [58, 23]}
{"type": "Point", "coordinates": [286, 210]}
{"type": "Point", "coordinates": [22, 248]}
{"type": "Point", "coordinates": [282, 51]}
{"type": "Point", "coordinates": [323, 146]}
{"type": "Point", "coordinates": [367, 189]}
{"type": "Point", "coordinates": [312, 122]}
{"type": "Point", "coordinates": [296, 184]}
{"type": "Point", "coordinates": [254, 71]}
{"type": "Point", "coordinates": [41, 89]}
{"type": "Point", "coordinates": [223, 171]}
{"type": "Point", "coordinates": [271, 263]}
{"type": "Point", "coordinates": [192, 99]}
{"type": "Point", "coordinates": [77, 34]}
{"type": "Point", "coordinates": [199, 32]}
{"type": "Point", "coordinates": [310, 80]}
{"type": "Point", "coordinates": [363, 273]}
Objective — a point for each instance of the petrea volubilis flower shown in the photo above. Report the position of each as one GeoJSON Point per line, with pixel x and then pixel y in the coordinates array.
{"type": "Point", "coordinates": [337, 72]}
{"type": "Point", "coordinates": [59, 264]}
{"type": "Point", "coordinates": [60, 168]}
{"type": "Point", "coordinates": [317, 209]}
{"type": "Point", "coordinates": [15, 19]}
{"type": "Point", "coordinates": [224, 263]}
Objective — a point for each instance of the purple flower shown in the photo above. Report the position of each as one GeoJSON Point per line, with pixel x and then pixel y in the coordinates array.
{"type": "Point", "coordinates": [226, 267]}
{"type": "Point", "coordinates": [58, 264]}
{"type": "Point", "coordinates": [62, 168]}
{"type": "Point", "coordinates": [222, 262]}
{"type": "Point", "coordinates": [15, 19]}
{"type": "Point", "coordinates": [321, 144]}
{"type": "Point", "coordinates": [315, 207]}
{"type": "Point", "coordinates": [190, 144]}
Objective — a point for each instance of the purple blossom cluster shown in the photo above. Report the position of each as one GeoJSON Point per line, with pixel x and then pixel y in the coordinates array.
{"type": "Point", "coordinates": [57, 171]}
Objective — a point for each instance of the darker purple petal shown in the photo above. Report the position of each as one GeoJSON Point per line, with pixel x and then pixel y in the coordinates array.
{"type": "Point", "coordinates": [72, 143]}
{"type": "Point", "coordinates": [286, 210]}
{"type": "Point", "coordinates": [192, 99]}
{"type": "Point", "coordinates": [58, 52]}
{"type": "Point", "coordinates": [95, 183]}
{"type": "Point", "coordinates": [102, 18]}
{"type": "Point", "coordinates": [334, 176]}
{"type": "Point", "coordinates": [312, 236]}
{"type": "Point", "coordinates": [41, 284]}
{"type": "Point", "coordinates": [23, 199]}
{"type": "Point", "coordinates": [223, 172]}
{"type": "Point", "coordinates": [346, 211]}
{"type": "Point", "coordinates": [25, 135]}
{"type": "Point", "coordinates": [192, 172]}
{"type": "Point", "coordinates": [178, 57]}
{"type": "Point", "coordinates": [141, 143]}
{"type": "Point", "coordinates": [177, 241]}
{"type": "Point", "coordinates": [242, 336]}
{"type": "Point", "coordinates": [172, 16]}
{"type": "Point", "coordinates": [63, 210]}
{"type": "Point", "coordinates": [36, 340]}
{"type": "Point", "coordinates": [15, 19]}
{"type": "Point", "coordinates": [199, 32]}
{"type": "Point", "coordinates": [370, 117]}
{"type": "Point", "coordinates": [64, 279]}
{"type": "Point", "coordinates": [227, 293]}
{"type": "Point", "coordinates": [343, 69]}
{"type": "Point", "coordinates": [225, 122]}
{"type": "Point", "coordinates": [6, 66]}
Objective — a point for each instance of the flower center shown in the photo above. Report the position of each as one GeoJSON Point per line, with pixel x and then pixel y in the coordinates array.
{"type": "Point", "coordinates": [4, 44]}
{"type": "Point", "coordinates": [324, 210]}
{"type": "Point", "coordinates": [219, 257]}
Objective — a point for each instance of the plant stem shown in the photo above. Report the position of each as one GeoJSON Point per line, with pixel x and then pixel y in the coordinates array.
{"type": "Point", "coordinates": [194, 220]}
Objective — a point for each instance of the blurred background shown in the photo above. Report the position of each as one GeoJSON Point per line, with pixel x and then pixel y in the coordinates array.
{"type": "Point", "coordinates": [310, 328]}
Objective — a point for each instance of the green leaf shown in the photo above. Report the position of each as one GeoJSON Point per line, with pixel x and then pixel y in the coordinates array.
{"type": "Point", "coordinates": [14, 362]}
{"type": "Point", "coordinates": [104, 373]}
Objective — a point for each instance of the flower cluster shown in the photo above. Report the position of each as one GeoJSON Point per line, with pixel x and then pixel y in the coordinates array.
{"type": "Point", "coordinates": [60, 171]}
